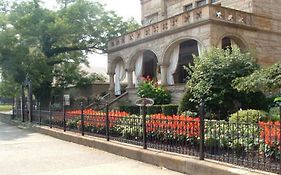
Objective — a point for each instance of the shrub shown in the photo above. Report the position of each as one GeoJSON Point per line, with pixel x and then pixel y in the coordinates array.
{"type": "Point", "coordinates": [155, 109]}
{"type": "Point", "coordinates": [190, 114]}
{"type": "Point", "coordinates": [249, 115]}
{"type": "Point", "coordinates": [130, 109]}
{"type": "Point", "coordinates": [170, 109]}
{"type": "Point", "coordinates": [212, 77]}
{"type": "Point", "coordinates": [150, 89]}
{"type": "Point", "coordinates": [185, 104]}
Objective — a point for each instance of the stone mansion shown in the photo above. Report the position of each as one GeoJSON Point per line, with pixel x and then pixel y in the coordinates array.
{"type": "Point", "coordinates": [174, 30]}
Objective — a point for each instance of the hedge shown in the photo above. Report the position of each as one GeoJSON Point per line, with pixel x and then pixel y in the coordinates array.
{"type": "Point", "coordinates": [170, 109]}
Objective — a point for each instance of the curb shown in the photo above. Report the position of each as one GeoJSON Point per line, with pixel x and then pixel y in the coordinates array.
{"type": "Point", "coordinates": [176, 162]}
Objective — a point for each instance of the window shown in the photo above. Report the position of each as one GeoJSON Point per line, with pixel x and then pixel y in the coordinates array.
{"type": "Point", "coordinates": [214, 1]}
{"type": "Point", "coordinates": [201, 3]}
{"type": "Point", "coordinates": [188, 7]}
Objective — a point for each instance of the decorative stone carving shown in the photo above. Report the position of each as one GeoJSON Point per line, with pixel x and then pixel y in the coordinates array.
{"type": "Point", "coordinates": [131, 37]}
{"type": "Point", "coordinates": [147, 31]}
{"type": "Point", "coordinates": [138, 34]}
{"type": "Point", "coordinates": [198, 14]}
{"type": "Point", "coordinates": [186, 18]}
{"type": "Point", "coordinates": [219, 14]}
{"type": "Point", "coordinates": [165, 26]}
{"type": "Point", "coordinates": [155, 28]}
{"type": "Point", "coordinates": [230, 18]}
{"type": "Point", "coordinates": [174, 22]}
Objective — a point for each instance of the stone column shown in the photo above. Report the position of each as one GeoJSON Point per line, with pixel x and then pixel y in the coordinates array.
{"type": "Point", "coordinates": [163, 74]}
{"type": "Point", "coordinates": [111, 82]}
{"type": "Point", "coordinates": [130, 79]}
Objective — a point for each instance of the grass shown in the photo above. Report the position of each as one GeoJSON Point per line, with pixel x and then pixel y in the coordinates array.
{"type": "Point", "coordinates": [5, 108]}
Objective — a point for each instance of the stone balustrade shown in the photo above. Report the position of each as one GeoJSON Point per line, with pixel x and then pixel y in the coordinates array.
{"type": "Point", "coordinates": [207, 12]}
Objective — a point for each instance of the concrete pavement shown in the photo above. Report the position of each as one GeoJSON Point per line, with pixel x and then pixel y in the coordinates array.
{"type": "Point", "coordinates": [26, 153]}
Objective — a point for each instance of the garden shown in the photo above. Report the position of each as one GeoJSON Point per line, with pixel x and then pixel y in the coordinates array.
{"type": "Point", "coordinates": [240, 121]}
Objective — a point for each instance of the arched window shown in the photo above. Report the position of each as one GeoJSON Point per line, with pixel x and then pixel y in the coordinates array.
{"type": "Point", "coordinates": [149, 65]}
{"type": "Point", "coordinates": [187, 50]}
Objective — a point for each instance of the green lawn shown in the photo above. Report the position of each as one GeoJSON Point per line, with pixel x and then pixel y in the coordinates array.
{"type": "Point", "coordinates": [4, 108]}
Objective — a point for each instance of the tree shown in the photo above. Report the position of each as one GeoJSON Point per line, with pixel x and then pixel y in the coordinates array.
{"type": "Point", "coordinates": [35, 40]}
{"type": "Point", "coordinates": [211, 80]}
{"type": "Point", "coordinates": [266, 80]}
{"type": "Point", "coordinates": [8, 88]}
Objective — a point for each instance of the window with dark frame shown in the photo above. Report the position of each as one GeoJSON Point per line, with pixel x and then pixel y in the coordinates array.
{"type": "Point", "coordinates": [201, 3]}
{"type": "Point", "coordinates": [188, 7]}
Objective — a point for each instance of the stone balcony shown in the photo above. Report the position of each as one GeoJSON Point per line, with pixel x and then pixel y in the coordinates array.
{"type": "Point", "coordinates": [190, 18]}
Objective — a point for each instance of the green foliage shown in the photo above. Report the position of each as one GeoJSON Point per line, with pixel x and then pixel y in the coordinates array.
{"type": "Point", "coordinates": [150, 89]}
{"type": "Point", "coordinates": [8, 88]}
{"type": "Point", "coordinates": [249, 115]}
{"type": "Point", "coordinates": [130, 109]}
{"type": "Point", "coordinates": [129, 127]}
{"type": "Point", "coordinates": [72, 123]}
{"type": "Point", "coordinates": [47, 44]}
{"type": "Point", "coordinates": [170, 109]}
{"type": "Point", "coordinates": [266, 80]}
{"type": "Point", "coordinates": [213, 73]}
{"type": "Point", "coordinates": [190, 114]}
{"type": "Point", "coordinates": [240, 138]}
{"type": "Point", "coordinates": [155, 109]}
{"type": "Point", "coordinates": [186, 104]}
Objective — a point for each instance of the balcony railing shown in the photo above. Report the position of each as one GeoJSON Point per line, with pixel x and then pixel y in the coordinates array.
{"type": "Point", "coordinates": [194, 16]}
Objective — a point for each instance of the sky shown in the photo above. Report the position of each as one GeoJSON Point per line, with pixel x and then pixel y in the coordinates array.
{"type": "Point", "coordinates": [125, 8]}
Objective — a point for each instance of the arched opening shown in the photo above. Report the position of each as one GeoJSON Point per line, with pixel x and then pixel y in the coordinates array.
{"type": "Point", "coordinates": [149, 65]}
{"type": "Point", "coordinates": [230, 41]}
{"type": "Point", "coordinates": [119, 75]}
{"type": "Point", "coordinates": [187, 50]}
{"type": "Point", "coordinates": [178, 55]}
{"type": "Point", "coordinates": [145, 66]}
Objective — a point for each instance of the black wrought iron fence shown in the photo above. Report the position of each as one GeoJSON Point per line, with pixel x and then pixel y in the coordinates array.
{"type": "Point", "coordinates": [246, 143]}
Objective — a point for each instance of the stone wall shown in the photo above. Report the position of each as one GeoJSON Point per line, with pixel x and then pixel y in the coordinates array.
{"type": "Point", "coordinates": [87, 91]}
{"type": "Point", "coordinates": [243, 5]}
{"type": "Point", "coordinates": [265, 46]}
{"type": "Point", "coordinates": [268, 8]}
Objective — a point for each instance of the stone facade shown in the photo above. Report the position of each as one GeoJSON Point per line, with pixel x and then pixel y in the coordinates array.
{"type": "Point", "coordinates": [168, 24]}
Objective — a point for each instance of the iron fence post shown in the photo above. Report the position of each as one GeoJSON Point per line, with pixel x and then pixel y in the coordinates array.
{"type": "Point", "coordinates": [64, 120]}
{"type": "Point", "coordinates": [144, 127]}
{"type": "Point", "coordinates": [201, 142]}
{"type": "Point", "coordinates": [82, 119]}
{"type": "Point", "coordinates": [107, 122]}
{"type": "Point", "coordinates": [40, 117]}
{"type": "Point", "coordinates": [50, 116]}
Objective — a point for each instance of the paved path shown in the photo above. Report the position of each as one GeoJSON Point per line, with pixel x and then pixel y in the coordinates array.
{"type": "Point", "coordinates": [27, 153]}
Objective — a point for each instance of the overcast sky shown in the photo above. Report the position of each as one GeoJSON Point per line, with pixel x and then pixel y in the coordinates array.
{"type": "Point", "coordinates": [125, 8]}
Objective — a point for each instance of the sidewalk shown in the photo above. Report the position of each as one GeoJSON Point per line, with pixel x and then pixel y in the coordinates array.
{"type": "Point", "coordinates": [27, 153]}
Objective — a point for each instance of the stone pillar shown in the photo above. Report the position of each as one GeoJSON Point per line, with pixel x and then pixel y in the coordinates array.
{"type": "Point", "coordinates": [111, 82]}
{"type": "Point", "coordinates": [130, 79]}
{"type": "Point", "coordinates": [163, 74]}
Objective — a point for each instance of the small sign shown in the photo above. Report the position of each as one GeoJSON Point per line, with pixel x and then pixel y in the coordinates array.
{"type": "Point", "coordinates": [144, 102]}
{"type": "Point", "coordinates": [66, 99]}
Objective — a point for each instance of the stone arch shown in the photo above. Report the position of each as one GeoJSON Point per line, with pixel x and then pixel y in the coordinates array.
{"type": "Point", "coordinates": [112, 63]}
{"type": "Point", "coordinates": [118, 68]}
{"type": "Point", "coordinates": [148, 65]}
{"type": "Point", "coordinates": [177, 54]}
{"type": "Point", "coordinates": [134, 56]}
{"type": "Point", "coordinates": [167, 51]}
{"type": "Point", "coordinates": [237, 39]}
